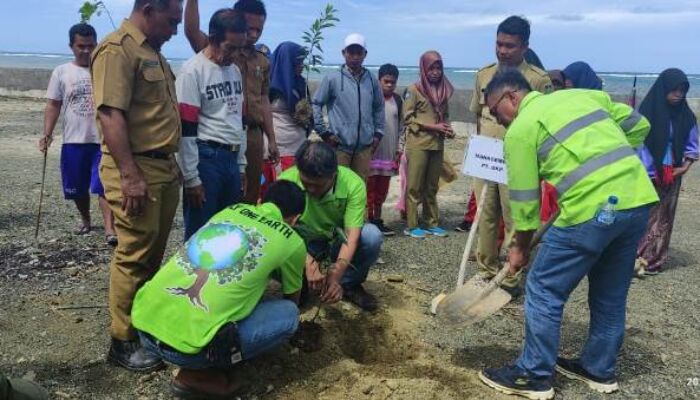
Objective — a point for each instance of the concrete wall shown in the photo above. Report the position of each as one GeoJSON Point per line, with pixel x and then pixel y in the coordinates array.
{"type": "Point", "coordinates": [33, 83]}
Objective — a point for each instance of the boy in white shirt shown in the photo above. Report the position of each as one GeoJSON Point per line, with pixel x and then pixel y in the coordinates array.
{"type": "Point", "coordinates": [212, 150]}
{"type": "Point", "coordinates": [70, 93]}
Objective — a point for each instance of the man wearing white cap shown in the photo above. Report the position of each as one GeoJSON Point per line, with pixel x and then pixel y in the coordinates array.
{"type": "Point", "coordinates": [355, 105]}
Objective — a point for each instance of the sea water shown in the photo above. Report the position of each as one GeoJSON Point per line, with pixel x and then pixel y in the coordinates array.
{"type": "Point", "coordinates": [461, 78]}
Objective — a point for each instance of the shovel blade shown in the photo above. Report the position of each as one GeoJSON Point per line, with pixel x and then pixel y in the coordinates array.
{"type": "Point", "coordinates": [488, 306]}
{"type": "Point", "coordinates": [469, 304]}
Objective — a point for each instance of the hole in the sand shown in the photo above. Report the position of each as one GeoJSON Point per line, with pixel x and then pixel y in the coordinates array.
{"type": "Point", "coordinates": [309, 337]}
{"type": "Point", "coordinates": [370, 339]}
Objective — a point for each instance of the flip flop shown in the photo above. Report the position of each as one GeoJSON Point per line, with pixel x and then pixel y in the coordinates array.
{"type": "Point", "coordinates": [83, 230]}
{"type": "Point", "coordinates": [111, 240]}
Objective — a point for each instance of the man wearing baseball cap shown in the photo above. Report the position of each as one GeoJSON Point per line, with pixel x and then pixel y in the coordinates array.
{"type": "Point", "coordinates": [355, 105]}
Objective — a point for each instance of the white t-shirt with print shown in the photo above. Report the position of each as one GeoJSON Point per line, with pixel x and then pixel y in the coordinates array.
{"type": "Point", "coordinates": [215, 92]}
{"type": "Point", "coordinates": [71, 84]}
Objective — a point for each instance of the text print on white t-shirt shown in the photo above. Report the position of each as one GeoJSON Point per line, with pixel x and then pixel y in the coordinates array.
{"type": "Point", "coordinates": [228, 91]}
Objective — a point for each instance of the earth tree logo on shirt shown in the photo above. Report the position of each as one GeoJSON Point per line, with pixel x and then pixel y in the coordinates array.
{"type": "Point", "coordinates": [224, 250]}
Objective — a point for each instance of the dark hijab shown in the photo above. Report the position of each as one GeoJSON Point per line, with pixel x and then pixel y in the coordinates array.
{"type": "Point", "coordinates": [583, 76]}
{"type": "Point", "coordinates": [662, 116]}
{"type": "Point", "coordinates": [283, 77]}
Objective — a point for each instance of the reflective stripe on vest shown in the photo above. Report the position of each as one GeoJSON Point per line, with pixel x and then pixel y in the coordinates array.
{"type": "Point", "coordinates": [568, 130]}
{"type": "Point", "coordinates": [631, 121]}
{"type": "Point", "coordinates": [591, 166]}
{"type": "Point", "coordinates": [524, 195]}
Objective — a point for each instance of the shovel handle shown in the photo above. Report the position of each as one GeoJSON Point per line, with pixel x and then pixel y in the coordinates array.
{"type": "Point", "coordinates": [470, 239]}
{"type": "Point", "coordinates": [498, 279]}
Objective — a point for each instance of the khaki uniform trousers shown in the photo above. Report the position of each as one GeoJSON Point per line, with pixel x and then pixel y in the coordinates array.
{"type": "Point", "coordinates": [424, 168]}
{"type": "Point", "coordinates": [142, 239]}
{"type": "Point", "coordinates": [496, 206]}
{"type": "Point", "coordinates": [358, 162]}
{"type": "Point", "coordinates": [254, 168]}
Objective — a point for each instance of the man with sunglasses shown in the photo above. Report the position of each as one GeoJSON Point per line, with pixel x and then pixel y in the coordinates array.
{"type": "Point", "coordinates": [134, 94]}
{"type": "Point", "coordinates": [212, 150]}
{"type": "Point", "coordinates": [512, 40]}
{"type": "Point", "coordinates": [582, 143]}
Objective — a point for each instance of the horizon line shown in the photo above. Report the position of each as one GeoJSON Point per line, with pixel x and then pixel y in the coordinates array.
{"type": "Point", "coordinates": [66, 55]}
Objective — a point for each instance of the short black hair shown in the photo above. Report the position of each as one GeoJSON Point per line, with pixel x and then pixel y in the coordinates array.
{"type": "Point", "coordinates": [316, 159]}
{"type": "Point", "coordinates": [158, 4]}
{"type": "Point", "coordinates": [516, 25]}
{"type": "Point", "coordinates": [287, 196]}
{"type": "Point", "coordinates": [82, 29]}
{"type": "Point", "coordinates": [507, 78]}
{"type": "Point", "coordinates": [388, 69]}
{"type": "Point", "coordinates": [255, 7]}
{"type": "Point", "coordinates": [223, 21]}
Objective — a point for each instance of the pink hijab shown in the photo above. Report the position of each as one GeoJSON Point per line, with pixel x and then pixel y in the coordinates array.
{"type": "Point", "coordinates": [437, 94]}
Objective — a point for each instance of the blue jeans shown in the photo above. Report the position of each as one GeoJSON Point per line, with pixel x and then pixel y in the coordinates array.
{"type": "Point", "coordinates": [366, 255]}
{"type": "Point", "coordinates": [270, 324]}
{"type": "Point", "coordinates": [220, 174]}
{"type": "Point", "coordinates": [606, 253]}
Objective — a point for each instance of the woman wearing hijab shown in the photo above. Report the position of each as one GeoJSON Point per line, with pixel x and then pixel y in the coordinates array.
{"type": "Point", "coordinates": [291, 114]}
{"type": "Point", "coordinates": [668, 152]}
{"type": "Point", "coordinates": [580, 75]}
{"type": "Point", "coordinates": [426, 121]}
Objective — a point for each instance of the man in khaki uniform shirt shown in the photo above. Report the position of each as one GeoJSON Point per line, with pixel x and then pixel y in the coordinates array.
{"type": "Point", "coordinates": [255, 68]}
{"type": "Point", "coordinates": [511, 44]}
{"type": "Point", "coordinates": [137, 113]}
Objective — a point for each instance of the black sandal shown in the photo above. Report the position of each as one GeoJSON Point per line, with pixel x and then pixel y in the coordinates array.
{"type": "Point", "coordinates": [111, 240]}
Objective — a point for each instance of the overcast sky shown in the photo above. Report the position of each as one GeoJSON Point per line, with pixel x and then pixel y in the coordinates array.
{"type": "Point", "coordinates": [612, 35]}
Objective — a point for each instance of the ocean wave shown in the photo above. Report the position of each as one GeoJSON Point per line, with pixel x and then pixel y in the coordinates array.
{"type": "Point", "coordinates": [4, 54]}
{"type": "Point", "coordinates": [464, 71]}
{"type": "Point", "coordinates": [628, 76]}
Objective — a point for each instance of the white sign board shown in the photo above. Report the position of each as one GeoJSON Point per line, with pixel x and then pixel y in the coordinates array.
{"type": "Point", "coordinates": [484, 160]}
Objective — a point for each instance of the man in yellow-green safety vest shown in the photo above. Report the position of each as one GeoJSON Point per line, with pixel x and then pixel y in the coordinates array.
{"type": "Point", "coordinates": [582, 143]}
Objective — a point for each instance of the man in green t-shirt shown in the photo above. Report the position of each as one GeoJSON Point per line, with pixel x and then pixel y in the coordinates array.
{"type": "Point", "coordinates": [202, 310]}
{"type": "Point", "coordinates": [333, 225]}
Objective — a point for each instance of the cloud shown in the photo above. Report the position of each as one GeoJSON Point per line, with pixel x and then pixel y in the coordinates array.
{"type": "Point", "coordinates": [451, 22]}
{"type": "Point", "coordinates": [567, 17]}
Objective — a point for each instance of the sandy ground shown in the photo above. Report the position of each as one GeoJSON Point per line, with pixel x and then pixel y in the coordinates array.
{"type": "Point", "coordinates": [399, 352]}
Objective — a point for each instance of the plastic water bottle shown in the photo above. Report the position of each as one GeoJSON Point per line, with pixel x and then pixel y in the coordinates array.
{"type": "Point", "coordinates": [606, 214]}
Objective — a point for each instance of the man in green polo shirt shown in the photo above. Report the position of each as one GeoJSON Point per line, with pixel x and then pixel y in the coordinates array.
{"type": "Point", "coordinates": [582, 143]}
{"type": "Point", "coordinates": [202, 310]}
{"type": "Point", "coordinates": [336, 198]}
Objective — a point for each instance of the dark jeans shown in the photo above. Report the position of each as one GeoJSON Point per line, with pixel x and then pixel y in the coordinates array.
{"type": "Point", "coordinates": [604, 253]}
{"type": "Point", "coordinates": [220, 174]}
{"type": "Point", "coordinates": [365, 256]}
{"type": "Point", "coordinates": [270, 324]}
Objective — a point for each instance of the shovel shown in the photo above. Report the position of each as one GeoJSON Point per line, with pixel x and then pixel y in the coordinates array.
{"type": "Point", "coordinates": [477, 299]}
